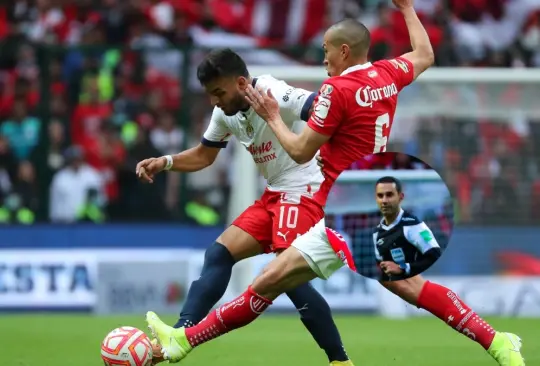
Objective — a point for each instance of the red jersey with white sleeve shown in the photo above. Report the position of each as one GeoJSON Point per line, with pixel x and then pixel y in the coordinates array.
{"type": "Point", "coordinates": [356, 109]}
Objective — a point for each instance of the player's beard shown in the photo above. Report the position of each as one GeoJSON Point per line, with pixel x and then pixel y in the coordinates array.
{"type": "Point", "coordinates": [390, 211]}
{"type": "Point", "coordinates": [237, 104]}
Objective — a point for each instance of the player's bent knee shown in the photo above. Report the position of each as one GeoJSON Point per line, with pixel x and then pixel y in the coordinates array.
{"type": "Point", "coordinates": [269, 284]}
{"type": "Point", "coordinates": [239, 243]}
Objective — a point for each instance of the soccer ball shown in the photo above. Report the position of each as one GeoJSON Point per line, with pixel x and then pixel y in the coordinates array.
{"type": "Point", "coordinates": [126, 346]}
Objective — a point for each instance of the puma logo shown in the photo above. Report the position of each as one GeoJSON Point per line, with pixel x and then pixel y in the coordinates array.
{"type": "Point", "coordinates": [284, 236]}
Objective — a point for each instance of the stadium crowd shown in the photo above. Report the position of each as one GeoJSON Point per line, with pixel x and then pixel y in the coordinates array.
{"type": "Point", "coordinates": [89, 87]}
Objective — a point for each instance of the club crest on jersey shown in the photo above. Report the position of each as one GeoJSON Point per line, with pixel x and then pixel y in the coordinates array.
{"type": "Point", "coordinates": [250, 130]}
{"type": "Point", "coordinates": [326, 90]}
{"type": "Point", "coordinates": [399, 64]}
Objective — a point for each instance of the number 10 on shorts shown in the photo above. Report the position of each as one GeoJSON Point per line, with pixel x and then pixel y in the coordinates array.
{"type": "Point", "coordinates": [288, 216]}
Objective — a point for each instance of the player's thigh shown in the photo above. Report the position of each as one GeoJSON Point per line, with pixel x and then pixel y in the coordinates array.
{"type": "Point", "coordinates": [287, 271]}
{"type": "Point", "coordinates": [290, 220]}
{"type": "Point", "coordinates": [408, 289]}
{"type": "Point", "coordinates": [324, 250]}
{"type": "Point", "coordinates": [249, 233]}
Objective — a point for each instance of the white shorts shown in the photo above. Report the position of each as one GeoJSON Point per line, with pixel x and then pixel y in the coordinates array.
{"type": "Point", "coordinates": [324, 249]}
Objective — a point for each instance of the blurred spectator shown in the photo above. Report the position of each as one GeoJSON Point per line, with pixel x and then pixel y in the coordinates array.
{"type": "Point", "coordinates": [51, 159]}
{"type": "Point", "coordinates": [105, 152]}
{"type": "Point", "coordinates": [118, 92]}
{"type": "Point", "coordinates": [21, 130]}
{"type": "Point", "coordinates": [8, 169]}
{"type": "Point", "coordinates": [90, 113]}
{"type": "Point", "coordinates": [167, 137]}
{"type": "Point", "coordinates": [143, 202]}
{"type": "Point", "coordinates": [23, 200]}
{"type": "Point", "coordinates": [77, 191]}
{"type": "Point", "coordinates": [8, 162]}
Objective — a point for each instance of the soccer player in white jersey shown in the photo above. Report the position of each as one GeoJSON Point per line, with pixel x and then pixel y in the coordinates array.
{"type": "Point", "coordinates": [287, 209]}
{"type": "Point", "coordinates": [351, 118]}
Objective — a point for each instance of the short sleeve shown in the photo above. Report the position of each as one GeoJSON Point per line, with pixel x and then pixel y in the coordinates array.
{"type": "Point", "coordinates": [421, 237]}
{"type": "Point", "coordinates": [217, 134]}
{"type": "Point", "coordinates": [328, 110]}
{"type": "Point", "coordinates": [400, 69]}
{"type": "Point", "coordinates": [298, 101]}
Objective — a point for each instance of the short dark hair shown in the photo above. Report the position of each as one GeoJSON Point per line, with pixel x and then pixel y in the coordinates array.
{"type": "Point", "coordinates": [221, 63]}
{"type": "Point", "coordinates": [353, 33]}
{"type": "Point", "coordinates": [389, 179]}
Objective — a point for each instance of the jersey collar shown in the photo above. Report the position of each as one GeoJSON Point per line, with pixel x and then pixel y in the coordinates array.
{"type": "Point", "coordinates": [396, 221]}
{"type": "Point", "coordinates": [356, 68]}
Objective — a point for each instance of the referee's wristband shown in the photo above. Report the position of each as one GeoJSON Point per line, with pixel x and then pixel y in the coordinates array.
{"type": "Point", "coordinates": [169, 164]}
{"type": "Point", "coordinates": [406, 267]}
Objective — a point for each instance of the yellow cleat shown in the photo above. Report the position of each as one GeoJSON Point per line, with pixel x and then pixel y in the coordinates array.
{"type": "Point", "coordinates": [174, 343]}
{"type": "Point", "coordinates": [341, 363]}
{"type": "Point", "coordinates": [506, 349]}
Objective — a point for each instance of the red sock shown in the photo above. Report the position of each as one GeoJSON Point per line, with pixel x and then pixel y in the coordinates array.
{"type": "Point", "coordinates": [235, 314]}
{"type": "Point", "coordinates": [447, 306]}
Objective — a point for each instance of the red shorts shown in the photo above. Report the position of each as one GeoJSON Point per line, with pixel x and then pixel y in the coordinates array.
{"type": "Point", "coordinates": [277, 218]}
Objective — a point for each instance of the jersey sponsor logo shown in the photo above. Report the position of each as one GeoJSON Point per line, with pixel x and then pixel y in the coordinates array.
{"type": "Point", "coordinates": [407, 219]}
{"type": "Point", "coordinates": [400, 64]}
{"type": "Point", "coordinates": [262, 153]}
{"type": "Point", "coordinates": [397, 255]}
{"type": "Point", "coordinates": [287, 94]}
{"type": "Point", "coordinates": [326, 90]}
{"type": "Point", "coordinates": [263, 148]}
{"type": "Point", "coordinates": [366, 95]}
{"type": "Point", "coordinates": [320, 111]}
{"type": "Point", "coordinates": [426, 235]}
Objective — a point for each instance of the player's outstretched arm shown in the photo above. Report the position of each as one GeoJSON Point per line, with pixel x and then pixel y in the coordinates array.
{"type": "Point", "coordinates": [301, 148]}
{"type": "Point", "coordinates": [191, 160]}
{"type": "Point", "coordinates": [422, 55]}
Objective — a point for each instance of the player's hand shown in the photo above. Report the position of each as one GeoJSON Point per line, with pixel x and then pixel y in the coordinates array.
{"type": "Point", "coordinates": [157, 354]}
{"type": "Point", "coordinates": [263, 103]}
{"type": "Point", "coordinates": [391, 268]}
{"type": "Point", "coordinates": [320, 162]}
{"type": "Point", "coordinates": [403, 4]}
{"type": "Point", "coordinates": [147, 168]}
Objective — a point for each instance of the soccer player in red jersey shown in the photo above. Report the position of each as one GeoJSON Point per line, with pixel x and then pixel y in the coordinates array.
{"type": "Point", "coordinates": [352, 117]}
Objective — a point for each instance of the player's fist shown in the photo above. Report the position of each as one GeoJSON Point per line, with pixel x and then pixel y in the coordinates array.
{"type": "Point", "coordinates": [391, 268]}
{"type": "Point", "coordinates": [147, 168]}
{"type": "Point", "coordinates": [403, 4]}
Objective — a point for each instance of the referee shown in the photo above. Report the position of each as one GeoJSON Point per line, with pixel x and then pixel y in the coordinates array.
{"type": "Point", "coordinates": [404, 245]}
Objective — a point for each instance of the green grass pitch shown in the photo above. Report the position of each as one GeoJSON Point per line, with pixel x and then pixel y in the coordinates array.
{"type": "Point", "coordinates": [58, 340]}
